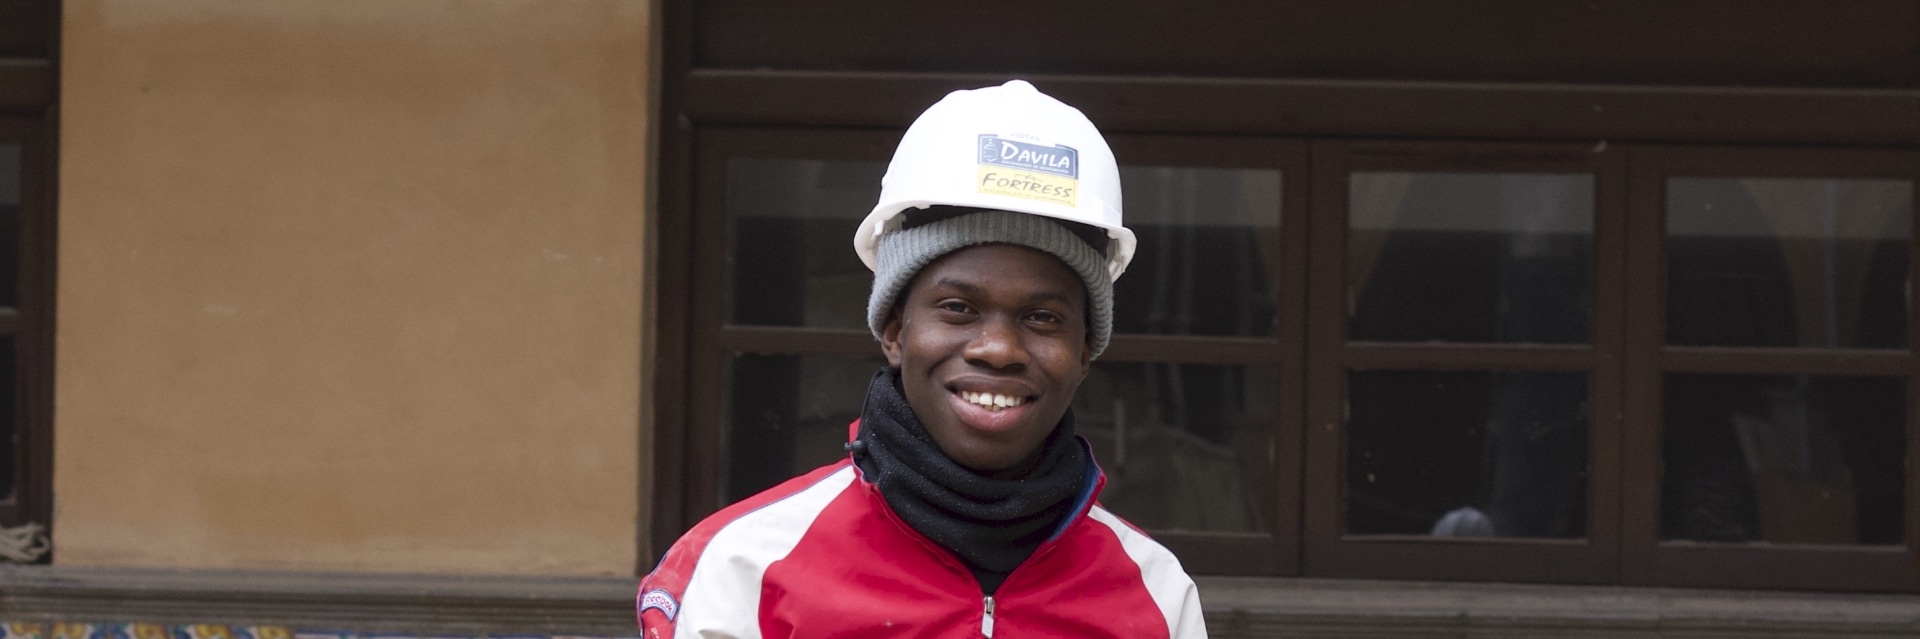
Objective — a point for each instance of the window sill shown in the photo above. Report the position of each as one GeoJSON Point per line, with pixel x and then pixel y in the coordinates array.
{"type": "Point", "coordinates": [422, 605]}
{"type": "Point", "coordinates": [428, 605]}
{"type": "Point", "coordinates": [1266, 607]}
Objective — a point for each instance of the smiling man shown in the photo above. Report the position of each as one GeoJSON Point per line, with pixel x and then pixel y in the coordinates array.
{"type": "Point", "coordinates": [967, 504]}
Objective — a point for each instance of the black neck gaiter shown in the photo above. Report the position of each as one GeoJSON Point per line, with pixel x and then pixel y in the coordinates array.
{"type": "Point", "coordinates": [990, 524]}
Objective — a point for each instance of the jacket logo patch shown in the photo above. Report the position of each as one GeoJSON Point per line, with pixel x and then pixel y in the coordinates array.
{"type": "Point", "coordinates": [661, 600]}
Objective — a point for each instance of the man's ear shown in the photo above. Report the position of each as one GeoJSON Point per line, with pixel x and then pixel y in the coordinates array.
{"type": "Point", "coordinates": [890, 339]}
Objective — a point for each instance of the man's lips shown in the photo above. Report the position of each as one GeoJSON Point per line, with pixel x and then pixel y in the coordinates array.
{"type": "Point", "coordinates": [982, 418]}
{"type": "Point", "coordinates": [993, 385]}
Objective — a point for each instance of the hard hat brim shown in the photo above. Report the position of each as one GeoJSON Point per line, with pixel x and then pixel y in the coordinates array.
{"type": "Point", "coordinates": [866, 241]}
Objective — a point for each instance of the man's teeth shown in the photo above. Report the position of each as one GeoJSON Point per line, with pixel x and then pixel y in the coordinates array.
{"type": "Point", "coordinates": [992, 401]}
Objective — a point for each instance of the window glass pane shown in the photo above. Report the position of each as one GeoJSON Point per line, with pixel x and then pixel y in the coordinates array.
{"type": "Point", "coordinates": [791, 245]}
{"type": "Point", "coordinates": [788, 414]}
{"type": "Point", "coordinates": [1778, 262]}
{"type": "Point", "coordinates": [10, 461]}
{"type": "Point", "coordinates": [1185, 447]}
{"type": "Point", "coordinates": [1207, 261]}
{"type": "Point", "coordinates": [1787, 459]}
{"type": "Point", "coordinates": [9, 225]}
{"type": "Point", "coordinates": [1467, 454]}
{"type": "Point", "coordinates": [1470, 257]}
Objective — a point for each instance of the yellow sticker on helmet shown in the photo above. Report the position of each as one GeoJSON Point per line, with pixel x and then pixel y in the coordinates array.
{"type": "Point", "coordinates": [1030, 185]}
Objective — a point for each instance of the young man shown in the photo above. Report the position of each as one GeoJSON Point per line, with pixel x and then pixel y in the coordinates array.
{"type": "Point", "coordinates": [966, 505]}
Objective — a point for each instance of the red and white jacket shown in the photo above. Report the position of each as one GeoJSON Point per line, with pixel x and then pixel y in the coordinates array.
{"type": "Point", "coordinates": [822, 555]}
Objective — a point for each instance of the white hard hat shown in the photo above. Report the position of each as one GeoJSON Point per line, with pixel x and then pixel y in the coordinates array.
{"type": "Point", "coordinates": [1010, 148]}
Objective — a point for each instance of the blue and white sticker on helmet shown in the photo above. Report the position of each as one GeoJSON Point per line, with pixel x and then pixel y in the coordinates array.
{"type": "Point", "coordinates": [661, 600]}
{"type": "Point", "coordinates": [1049, 173]}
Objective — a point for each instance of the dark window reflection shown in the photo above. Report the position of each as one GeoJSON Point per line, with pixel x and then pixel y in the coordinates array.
{"type": "Point", "coordinates": [1788, 262]}
{"type": "Point", "coordinates": [1467, 454]}
{"type": "Point", "coordinates": [788, 414]}
{"type": "Point", "coordinates": [1185, 447]}
{"type": "Point", "coordinates": [9, 225]}
{"type": "Point", "coordinates": [10, 445]}
{"type": "Point", "coordinates": [1208, 258]}
{"type": "Point", "coordinates": [1470, 257]}
{"type": "Point", "coordinates": [791, 259]}
{"type": "Point", "coordinates": [1789, 459]}
{"type": "Point", "coordinates": [1207, 262]}
{"type": "Point", "coordinates": [9, 300]}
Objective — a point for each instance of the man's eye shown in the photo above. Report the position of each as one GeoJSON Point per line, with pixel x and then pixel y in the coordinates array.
{"type": "Point", "coordinates": [952, 306]}
{"type": "Point", "coordinates": [1048, 317]}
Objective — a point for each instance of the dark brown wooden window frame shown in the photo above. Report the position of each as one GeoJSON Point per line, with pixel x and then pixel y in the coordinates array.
{"type": "Point", "coordinates": [1310, 349]}
{"type": "Point", "coordinates": [1328, 550]}
{"type": "Point", "coordinates": [715, 338]}
{"type": "Point", "coordinates": [29, 324]}
{"type": "Point", "coordinates": [29, 117]}
{"type": "Point", "coordinates": [1273, 552]}
{"type": "Point", "coordinates": [1421, 108]}
{"type": "Point", "coordinates": [1646, 559]}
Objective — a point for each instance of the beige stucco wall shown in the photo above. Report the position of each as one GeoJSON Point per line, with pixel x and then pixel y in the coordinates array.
{"type": "Point", "coordinates": [351, 284]}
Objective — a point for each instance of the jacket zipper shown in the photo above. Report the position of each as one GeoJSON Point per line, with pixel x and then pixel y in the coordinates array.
{"type": "Point", "coordinates": [986, 618]}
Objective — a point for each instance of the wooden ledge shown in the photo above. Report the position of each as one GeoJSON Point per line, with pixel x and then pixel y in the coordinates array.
{"type": "Point", "coordinates": [1321, 108]}
{"type": "Point", "coordinates": [413, 604]}
{"type": "Point", "coordinates": [26, 85]}
{"type": "Point", "coordinates": [1257, 607]}
{"type": "Point", "coordinates": [430, 605]}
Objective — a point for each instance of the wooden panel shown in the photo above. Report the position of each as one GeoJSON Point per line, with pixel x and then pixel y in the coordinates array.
{"type": "Point", "coordinates": [1799, 568]}
{"type": "Point", "coordinates": [371, 603]}
{"type": "Point", "coordinates": [1229, 554]}
{"type": "Point", "coordinates": [1607, 474]}
{"type": "Point", "coordinates": [1192, 350]}
{"type": "Point", "coordinates": [1851, 44]}
{"type": "Point", "coordinates": [784, 340]}
{"type": "Point", "coordinates": [1300, 608]}
{"type": "Point", "coordinates": [461, 605]}
{"type": "Point", "coordinates": [1515, 357]}
{"type": "Point", "coordinates": [26, 86]}
{"type": "Point", "coordinates": [664, 494]}
{"type": "Point", "coordinates": [1641, 469]}
{"type": "Point", "coordinates": [1336, 107]}
{"type": "Point", "coordinates": [27, 28]}
{"type": "Point", "coordinates": [1784, 361]}
{"type": "Point", "coordinates": [1442, 559]}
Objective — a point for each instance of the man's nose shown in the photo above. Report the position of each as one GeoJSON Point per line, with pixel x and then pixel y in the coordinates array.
{"type": "Point", "coordinates": [997, 345]}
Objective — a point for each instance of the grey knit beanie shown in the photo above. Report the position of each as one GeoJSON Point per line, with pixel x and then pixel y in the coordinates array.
{"type": "Point", "coordinates": [905, 251]}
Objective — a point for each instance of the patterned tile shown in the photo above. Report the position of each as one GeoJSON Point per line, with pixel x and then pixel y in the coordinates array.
{"type": "Point", "coordinates": [24, 631]}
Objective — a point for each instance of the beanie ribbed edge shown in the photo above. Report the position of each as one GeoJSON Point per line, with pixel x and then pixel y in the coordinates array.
{"type": "Point", "coordinates": [903, 252]}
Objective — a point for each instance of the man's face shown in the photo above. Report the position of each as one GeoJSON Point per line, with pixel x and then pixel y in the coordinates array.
{"type": "Point", "coordinates": [983, 327]}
